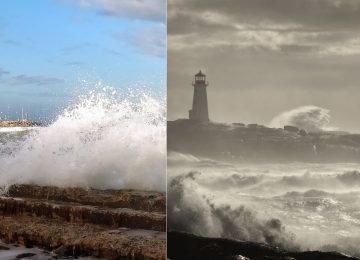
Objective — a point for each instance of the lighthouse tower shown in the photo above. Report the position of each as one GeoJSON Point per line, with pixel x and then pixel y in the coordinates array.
{"type": "Point", "coordinates": [199, 109]}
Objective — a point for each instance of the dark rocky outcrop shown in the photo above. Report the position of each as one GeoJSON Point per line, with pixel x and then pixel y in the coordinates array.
{"type": "Point", "coordinates": [256, 143]}
{"type": "Point", "coordinates": [190, 247]}
{"type": "Point", "coordinates": [4, 247]}
{"type": "Point", "coordinates": [25, 255]}
{"type": "Point", "coordinates": [291, 128]}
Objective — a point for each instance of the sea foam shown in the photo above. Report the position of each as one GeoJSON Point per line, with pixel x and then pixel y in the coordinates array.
{"type": "Point", "coordinates": [105, 140]}
{"type": "Point", "coordinates": [297, 206]}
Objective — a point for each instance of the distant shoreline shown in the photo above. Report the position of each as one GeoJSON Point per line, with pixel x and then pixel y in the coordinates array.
{"type": "Point", "coordinates": [260, 144]}
{"type": "Point", "coordinates": [18, 123]}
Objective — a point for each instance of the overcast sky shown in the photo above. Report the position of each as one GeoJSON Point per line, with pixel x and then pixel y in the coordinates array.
{"type": "Point", "coordinates": [264, 57]}
{"type": "Point", "coordinates": [49, 48]}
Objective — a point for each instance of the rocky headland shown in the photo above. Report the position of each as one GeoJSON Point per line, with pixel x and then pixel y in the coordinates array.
{"type": "Point", "coordinates": [18, 123]}
{"type": "Point", "coordinates": [184, 246]}
{"type": "Point", "coordinates": [110, 224]}
{"type": "Point", "coordinates": [256, 143]}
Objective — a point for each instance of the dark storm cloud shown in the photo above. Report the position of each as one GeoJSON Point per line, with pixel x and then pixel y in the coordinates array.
{"type": "Point", "coordinates": [268, 24]}
{"type": "Point", "coordinates": [265, 56]}
{"type": "Point", "coordinates": [328, 14]}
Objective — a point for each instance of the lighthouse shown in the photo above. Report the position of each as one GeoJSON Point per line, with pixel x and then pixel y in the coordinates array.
{"type": "Point", "coordinates": [199, 109]}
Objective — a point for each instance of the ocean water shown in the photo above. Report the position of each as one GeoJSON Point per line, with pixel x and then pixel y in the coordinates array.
{"type": "Point", "coordinates": [103, 140]}
{"type": "Point", "coordinates": [297, 206]}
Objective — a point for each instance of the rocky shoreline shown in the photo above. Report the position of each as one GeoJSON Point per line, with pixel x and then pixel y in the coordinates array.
{"type": "Point", "coordinates": [260, 144]}
{"type": "Point", "coordinates": [110, 224]}
{"type": "Point", "coordinates": [18, 123]}
{"type": "Point", "coordinates": [184, 246]}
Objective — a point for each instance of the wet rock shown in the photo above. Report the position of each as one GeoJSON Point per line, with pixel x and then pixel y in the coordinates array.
{"type": "Point", "coordinates": [302, 132]}
{"type": "Point", "coordinates": [62, 251]}
{"type": "Point", "coordinates": [72, 222]}
{"type": "Point", "coordinates": [84, 240]}
{"type": "Point", "coordinates": [237, 257]}
{"type": "Point", "coordinates": [4, 247]}
{"type": "Point", "coordinates": [291, 128]}
{"type": "Point", "coordinates": [239, 124]}
{"type": "Point", "coordinates": [138, 200]}
{"type": "Point", "coordinates": [318, 255]}
{"type": "Point", "coordinates": [25, 255]}
{"type": "Point", "coordinates": [78, 213]}
{"type": "Point", "coordinates": [190, 247]}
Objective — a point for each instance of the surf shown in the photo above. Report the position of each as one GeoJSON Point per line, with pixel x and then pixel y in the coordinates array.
{"type": "Point", "coordinates": [105, 139]}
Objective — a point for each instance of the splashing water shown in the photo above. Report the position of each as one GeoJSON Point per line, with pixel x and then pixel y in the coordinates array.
{"type": "Point", "coordinates": [105, 140]}
{"type": "Point", "coordinates": [297, 206]}
{"type": "Point", "coordinates": [309, 118]}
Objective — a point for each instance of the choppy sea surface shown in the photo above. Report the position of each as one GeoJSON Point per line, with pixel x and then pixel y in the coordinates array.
{"type": "Point", "coordinates": [298, 206]}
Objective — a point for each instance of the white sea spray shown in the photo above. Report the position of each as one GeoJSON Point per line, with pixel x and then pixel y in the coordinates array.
{"type": "Point", "coordinates": [105, 140]}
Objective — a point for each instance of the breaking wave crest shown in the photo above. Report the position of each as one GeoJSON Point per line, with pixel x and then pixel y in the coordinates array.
{"type": "Point", "coordinates": [309, 118]}
{"type": "Point", "coordinates": [105, 140]}
{"type": "Point", "coordinates": [296, 206]}
{"type": "Point", "coordinates": [191, 211]}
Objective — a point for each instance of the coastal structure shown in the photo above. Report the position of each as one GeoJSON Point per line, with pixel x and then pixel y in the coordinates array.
{"type": "Point", "coordinates": [18, 123]}
{"type": "Point", "coordinates": [111, 224]}
{"type": "Point", "coordinates": [199, 109]}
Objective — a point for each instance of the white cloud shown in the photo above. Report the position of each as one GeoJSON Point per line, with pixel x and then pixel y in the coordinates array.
{"type": "Point", "coordinates": [148, 40]}
{"type": "Point", "coordinates": [351, 47]}
{"type": "Point", "coordinates": [3, 72]}
{"type": "Point", "coordinates": [311, 27]}
{"type": "Point", "coordinates": [33, 80]}
{"type": "Point", "coordinates": [152, 10]}
{"type": "Point", "coordinates": [271, 37]}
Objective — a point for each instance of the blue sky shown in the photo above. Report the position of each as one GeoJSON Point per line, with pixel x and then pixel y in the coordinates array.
{"type": "Point", "coordinates": [48, 48]}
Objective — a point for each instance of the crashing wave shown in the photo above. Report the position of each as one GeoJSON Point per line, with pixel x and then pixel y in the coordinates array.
{"type": "Point", "coordinates": [105, 140]}
{"type": "Point", "coordinates": [309, 118]}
